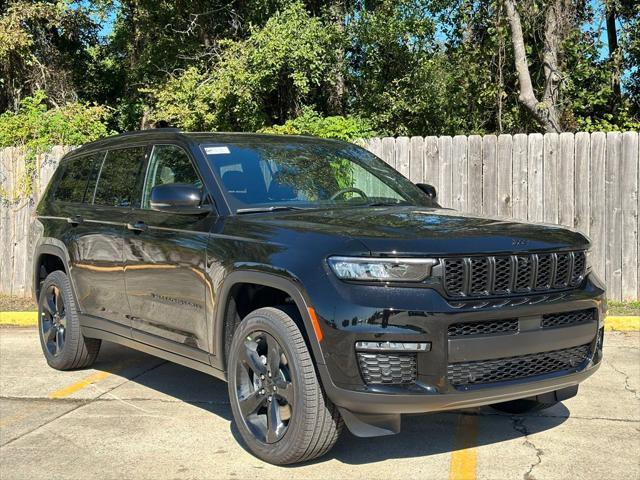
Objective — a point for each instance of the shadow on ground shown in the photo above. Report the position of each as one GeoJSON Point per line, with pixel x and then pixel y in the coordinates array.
{"type": "Point", "coordinates": [421, 435]}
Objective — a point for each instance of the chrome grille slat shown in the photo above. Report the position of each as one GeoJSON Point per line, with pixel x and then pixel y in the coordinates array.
{"type": "Point", "coordinates": [500, 275]}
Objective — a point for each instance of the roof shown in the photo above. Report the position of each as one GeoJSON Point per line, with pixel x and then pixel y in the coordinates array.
{"type": "Point", "coordinates": [173, 134]}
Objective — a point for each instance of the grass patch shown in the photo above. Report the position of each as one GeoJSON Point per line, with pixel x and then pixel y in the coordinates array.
{"type": "Point", "coordinates": [624, 308]}
{"type": "Point", "coordinates": [11, 303]}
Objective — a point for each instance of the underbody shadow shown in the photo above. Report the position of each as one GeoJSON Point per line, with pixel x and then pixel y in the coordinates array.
{"type": "Point", "coordinates": [421, 436]}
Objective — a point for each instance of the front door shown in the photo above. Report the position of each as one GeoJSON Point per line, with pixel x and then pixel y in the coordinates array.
{"type": "Point", "coordinates": [165, 262]}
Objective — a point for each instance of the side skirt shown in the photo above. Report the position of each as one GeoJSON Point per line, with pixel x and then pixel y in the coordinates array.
{"type": "Point", "coordinates": [91, 332]}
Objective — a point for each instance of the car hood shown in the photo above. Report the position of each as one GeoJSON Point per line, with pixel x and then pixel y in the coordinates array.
{"type": "Point", "coordinates": [418, 230]}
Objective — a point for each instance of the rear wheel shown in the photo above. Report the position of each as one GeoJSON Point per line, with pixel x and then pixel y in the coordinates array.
{"type": "Point", "coordinates": [278, 404]}
{"type": "Point", "coordinates": [62, 342]}
{"type": "Point", "coordinates": [522, 406]}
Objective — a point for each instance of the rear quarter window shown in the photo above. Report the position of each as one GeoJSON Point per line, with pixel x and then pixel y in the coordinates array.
{"type": "Point", "coordinates": [72, 183]}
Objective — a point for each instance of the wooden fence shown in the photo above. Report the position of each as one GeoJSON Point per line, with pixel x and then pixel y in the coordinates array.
{"type": "Point", "coordinates": [586, 181]}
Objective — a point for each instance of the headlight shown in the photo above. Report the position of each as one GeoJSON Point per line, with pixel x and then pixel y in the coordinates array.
{"type": "Point", "coordinates": [382, 269]}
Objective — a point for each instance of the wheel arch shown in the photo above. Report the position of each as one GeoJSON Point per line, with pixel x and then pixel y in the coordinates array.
{"type": "Point", "coordinates": [290, 287]}
{"type": "Point", "coordinates": [46, 250]}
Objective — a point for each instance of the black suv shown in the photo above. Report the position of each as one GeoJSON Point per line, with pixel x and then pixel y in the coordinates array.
{"type": "Point", "coordinates": [321, 284]}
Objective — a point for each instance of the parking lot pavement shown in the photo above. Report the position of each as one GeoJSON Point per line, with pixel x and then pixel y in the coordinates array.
{"type": "Point", "coordinates": [135, 416]}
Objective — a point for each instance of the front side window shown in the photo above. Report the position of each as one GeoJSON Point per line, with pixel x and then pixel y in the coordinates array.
{"type": "Point", "coordinates": [118, 177]}
{"type": "Point", "coordinates": [307, 174]}
{"type": "Point", "coordinates": [74, 178]}
{"type": "Point", "coordinates": [168, 164]}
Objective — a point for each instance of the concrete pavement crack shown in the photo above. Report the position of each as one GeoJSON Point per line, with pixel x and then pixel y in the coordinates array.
{"type": "Point", "coordinates": [519, 426]}
{"type": "Point", "coordinates": [626, 378]}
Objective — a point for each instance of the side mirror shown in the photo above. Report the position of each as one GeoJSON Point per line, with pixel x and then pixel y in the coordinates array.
{"type": "Point", "coordinates": [181, 198]}
{"type": "Point", "coordinates": [429, 190]}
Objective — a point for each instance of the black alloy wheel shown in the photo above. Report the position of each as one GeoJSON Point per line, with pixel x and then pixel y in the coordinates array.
{"type": "Point", "coordinates": [53, 326]}
{"type": "Point", "coordinates": [264, 387]}
{"type": "Point", "coordinates": [63, 344]}
{"type": "Point", "coordinates": [278, 404]}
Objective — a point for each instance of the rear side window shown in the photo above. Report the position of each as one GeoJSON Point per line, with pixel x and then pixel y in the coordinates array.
{"type": "Point", "coordinates": [119, 176]}
{"type": "Point", "coordinates": [73, 183]}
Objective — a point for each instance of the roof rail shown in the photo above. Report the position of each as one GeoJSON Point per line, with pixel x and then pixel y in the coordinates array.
{"type": "Point", "coordinates": [152, 130]}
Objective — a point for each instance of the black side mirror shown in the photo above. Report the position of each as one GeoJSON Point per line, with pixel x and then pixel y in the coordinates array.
{"type": "Point", "coordinates": [182, 198]}
{"type": "Point", "coordinates": [429, 190]}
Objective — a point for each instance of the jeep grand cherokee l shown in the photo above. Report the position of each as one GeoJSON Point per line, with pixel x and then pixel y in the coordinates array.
{"type": "Point", "coordinates": [321, 284]}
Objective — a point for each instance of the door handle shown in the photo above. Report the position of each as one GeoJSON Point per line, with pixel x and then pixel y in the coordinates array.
{"type": "Point", "coordinates": [137, 227]}
{"type": "Point", "coordinates": [75, 220]}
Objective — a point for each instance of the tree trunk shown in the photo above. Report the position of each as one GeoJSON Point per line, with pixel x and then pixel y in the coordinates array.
{"type": "Point", "coordinates": [545, 112]}
{"type": "Point", "coordinates": [612, 40]}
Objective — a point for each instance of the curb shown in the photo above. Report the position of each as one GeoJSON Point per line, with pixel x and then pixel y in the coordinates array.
{"type": "Point", "coordinates": [612, 323]}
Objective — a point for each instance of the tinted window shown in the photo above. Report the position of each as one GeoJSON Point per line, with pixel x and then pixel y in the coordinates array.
{"type": "Point", "coordinates": [118, 177]}
{"type": "Point", "coordinates": [308, 174]}
{"type": "Point", "coordinates": [168, 164]}
{"type": "Point", "coordinates": [73, 182]}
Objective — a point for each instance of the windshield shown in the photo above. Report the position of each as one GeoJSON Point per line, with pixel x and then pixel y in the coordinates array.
{"type": "Point", "coordinates": [307, 175]}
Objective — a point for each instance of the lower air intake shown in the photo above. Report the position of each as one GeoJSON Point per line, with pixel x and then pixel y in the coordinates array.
{"type": "Point", "coordinates": [512, 368]}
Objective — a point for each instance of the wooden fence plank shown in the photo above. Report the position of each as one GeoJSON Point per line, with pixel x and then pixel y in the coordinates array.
{"type": "Point", "coordinates": [459, 167]}
{"type": "Point", "coordinates": [535, 206]}
{"type": "Point", "coordinates": [474, 176]}
{"type": "Point", "coordinates": [582, 183]}
{"type": "Point", "coordinates": [520, 176]}
{"type": "Point", "coordinates": [445, 174]}
{"type": "Point", "coordinates": [504, 171]}
{"type": "Point", "coordinates": [566, 163]}
{"type": "Point", "coordinates": [629, 170]}
{"type": "Point", "coordinates": [550, 178]}
{"type": "Point", "coordinates": [598, 221]}
{"type": "Point", "coordinates": [613, 209]}
{"type": "Point", "coordinates": [389, 151]}
{"type": "Point", "coordinates": [402, 155]}
{"type": "Point", "coordinates": [489, 176]}
{"type": "Point", "coordinates": [416, 160]}
{"type": "Point", "coordinates": [431, 162]}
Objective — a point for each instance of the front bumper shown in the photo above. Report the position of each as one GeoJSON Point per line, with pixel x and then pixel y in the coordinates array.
{"type": "Point", "coordinates": [427, 320]}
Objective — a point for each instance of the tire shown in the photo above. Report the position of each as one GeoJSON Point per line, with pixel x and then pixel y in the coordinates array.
{"type": "Point", "coordinates": [307, 424]}
{"type": "Point", "coordinates": [522, 406]}
{"type": "Point", "coordinates": [61, 339]}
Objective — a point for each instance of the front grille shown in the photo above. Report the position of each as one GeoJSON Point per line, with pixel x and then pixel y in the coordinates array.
{"type": "Point", "coordinates": [512, 274]}
{"type": "Point", "coordinates": [568, 319]}
{"type": "Point", "coordinates": [388, 369]}
{"type": "Point", "coordinates": [512, 368]}
{"type": "Point", "coordinates": [495, 327]}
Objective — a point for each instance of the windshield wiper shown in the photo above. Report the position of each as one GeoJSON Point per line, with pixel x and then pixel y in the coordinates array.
{"type": "Point", "coordinates": [386, 204]}
{"type": "Point", "coordinates": [272, 208]}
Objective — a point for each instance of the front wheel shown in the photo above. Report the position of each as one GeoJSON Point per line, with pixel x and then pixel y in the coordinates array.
{"type": "Point", "coordinates": [277, 402]}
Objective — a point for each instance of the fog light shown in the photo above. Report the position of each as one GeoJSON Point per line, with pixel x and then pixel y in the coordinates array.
{"type": "Point", "coordinates": [394, 346]}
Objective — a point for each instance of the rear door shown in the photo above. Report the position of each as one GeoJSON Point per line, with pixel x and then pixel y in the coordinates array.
{"type": "Point", "coordinates": [165, 257]}
{"type": "Point", "coordinates": [98, 246]}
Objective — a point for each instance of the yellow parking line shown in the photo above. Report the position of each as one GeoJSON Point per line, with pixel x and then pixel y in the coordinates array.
{"type": "Point", "coordinates": [66, 391]}
{"type": "Point", "coordinates": [620, 324]}
{"type": "Point", "coordinates": [464, 460]}
{"type": "Point", "coordinates": [21, 319]}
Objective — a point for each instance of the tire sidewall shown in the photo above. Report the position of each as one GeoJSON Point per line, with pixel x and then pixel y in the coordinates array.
{"type": "Point", "coordinates": [60, 280]}
{"type": "Point", "coordinates": [277, 452]}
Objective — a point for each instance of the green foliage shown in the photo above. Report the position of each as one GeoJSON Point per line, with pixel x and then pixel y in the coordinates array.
{"type": "Point", "coordinates": [253, 82]}
{"type": "Point", "coordinates": [36, 128]}
{"type": "Point", "coordinates": [311, 123]}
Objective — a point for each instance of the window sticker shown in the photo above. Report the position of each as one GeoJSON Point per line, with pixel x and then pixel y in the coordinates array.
{"type": "Point", "coordinates": [216, 150]}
